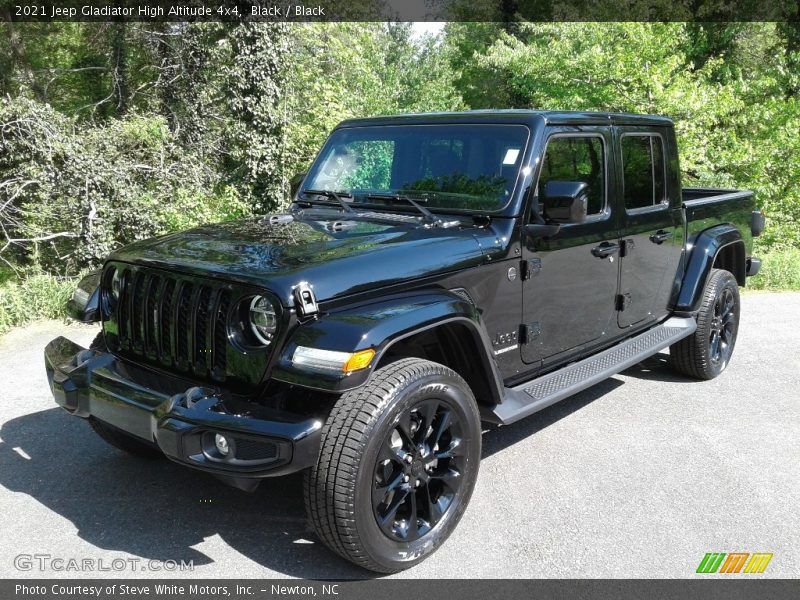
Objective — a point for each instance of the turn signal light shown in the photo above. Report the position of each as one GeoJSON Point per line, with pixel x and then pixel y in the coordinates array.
{"type": "Point", "coordinates": [359, 360]}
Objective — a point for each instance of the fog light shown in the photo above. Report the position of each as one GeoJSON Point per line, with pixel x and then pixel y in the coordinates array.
{"type": "Point", "coordinates": [221, 442]}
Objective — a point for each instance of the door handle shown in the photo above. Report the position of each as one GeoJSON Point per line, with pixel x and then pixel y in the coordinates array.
{"type": "Point", "coordinates": [660, 236]}
{"type": "Point", "coordinates": [605, 250]}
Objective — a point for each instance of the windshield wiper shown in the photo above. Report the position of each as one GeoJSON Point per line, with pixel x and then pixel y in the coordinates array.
{"type": "Point", "coordinates": [332, 195]}
{"type": "Point", "coordinates": [428, 215]}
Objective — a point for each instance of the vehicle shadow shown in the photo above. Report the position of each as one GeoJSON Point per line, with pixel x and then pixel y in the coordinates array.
{"type": "Point", "coordinates": [155, 509]}
{"type": "Point", "coordinates": [657, 368]}
{"type": "Point", "coordinates": [498, 438]}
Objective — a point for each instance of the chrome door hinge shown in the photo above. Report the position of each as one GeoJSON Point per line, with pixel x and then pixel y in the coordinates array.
{"type": "Point", "coordinates": [530, 331]}
{"type": "Point", "coordinates": [623, 301]}
{"type": "Point", "coordinates": [531, 267]}
{"type": "Point", "coordinates": [625, 247]}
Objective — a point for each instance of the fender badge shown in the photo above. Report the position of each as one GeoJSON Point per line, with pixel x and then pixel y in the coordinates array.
{"type": "Point", "coordinates": [512, 273]}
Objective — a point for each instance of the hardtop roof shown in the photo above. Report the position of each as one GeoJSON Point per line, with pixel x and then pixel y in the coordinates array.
{"type": "Point", "coordinates": [526, 116]}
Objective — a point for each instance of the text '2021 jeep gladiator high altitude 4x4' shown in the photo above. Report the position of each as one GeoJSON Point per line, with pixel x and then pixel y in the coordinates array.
{"type": "Point", "coordinates": [433, 272]}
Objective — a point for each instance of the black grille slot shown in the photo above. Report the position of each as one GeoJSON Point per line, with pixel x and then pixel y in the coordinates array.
{"type": "Point", "coordinates": [166, 319]}
{"type": "Point", "coordinates": [201, 313]}
{"type": "Point", "coordinates": [174, 322]}
{"type": "Point", "coordinates": [251, 450]}
{"type": "Point", "coordinates": [183, 319]}
{"type": "Point", "coordinates": [123, 311]}
{"type": "Point", "coordinates": [221, 333]}
{"type": "Point", "coordinates": [137, 308]}
{"type": "Point", "coordinates": [151, 317]}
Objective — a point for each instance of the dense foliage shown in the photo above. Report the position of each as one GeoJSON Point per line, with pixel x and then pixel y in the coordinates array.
{"type": "Point", "coordinates": [118, 131]}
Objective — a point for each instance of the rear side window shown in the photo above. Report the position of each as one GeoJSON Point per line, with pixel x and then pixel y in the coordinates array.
{"type": "Point", "coordinates": [576, 158]}
{"type": "Point", "coordinates": [643, 170]}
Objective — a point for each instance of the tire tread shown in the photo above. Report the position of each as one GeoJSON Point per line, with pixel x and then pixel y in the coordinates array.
{"type": "Point", "coordinates": [329, 485]}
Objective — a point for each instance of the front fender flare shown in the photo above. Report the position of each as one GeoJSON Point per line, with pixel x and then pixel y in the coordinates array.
{"type": "Point", "coordinates": [704, 251]}
{"type": "Point", "coordinates": [378, 325]}
{"type": "Point", "coordinates": [84, 305]}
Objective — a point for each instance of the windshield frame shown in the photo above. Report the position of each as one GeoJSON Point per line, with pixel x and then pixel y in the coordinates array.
{"type": "Point", "coordinates": [521, 172]}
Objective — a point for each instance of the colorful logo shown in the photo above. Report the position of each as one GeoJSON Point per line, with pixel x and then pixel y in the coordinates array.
{"type": "Point", "coordinates": [734, 562]}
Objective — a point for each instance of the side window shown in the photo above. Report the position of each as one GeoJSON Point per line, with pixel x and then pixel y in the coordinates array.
{"type": "Point", "coordinates": [643, 170]}
{"type": "Point", "coordinates": [577, 159]}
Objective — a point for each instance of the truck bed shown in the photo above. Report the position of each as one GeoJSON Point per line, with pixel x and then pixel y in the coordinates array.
{"type": "Point", "coordinates": [707, 207]}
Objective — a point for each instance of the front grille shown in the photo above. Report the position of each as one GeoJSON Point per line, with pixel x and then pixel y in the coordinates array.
{"type": "Point", "coordinates": [173, 322]}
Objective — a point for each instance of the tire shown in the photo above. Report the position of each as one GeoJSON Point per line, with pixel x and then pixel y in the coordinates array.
{"type": "Point", "coordinates": [116, 437]}
{"type": "Point", "coordinates": [368, 468]}
{"type": "Point", "coordinates": [706, 353]}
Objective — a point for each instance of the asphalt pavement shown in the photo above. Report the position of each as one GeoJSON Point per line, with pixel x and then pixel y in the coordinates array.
{"type": "Point", "coordinates": [639, 476]}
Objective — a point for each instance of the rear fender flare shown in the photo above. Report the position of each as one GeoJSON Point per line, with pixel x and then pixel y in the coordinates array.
{"type": "Point", "coordinates": [703, 251]}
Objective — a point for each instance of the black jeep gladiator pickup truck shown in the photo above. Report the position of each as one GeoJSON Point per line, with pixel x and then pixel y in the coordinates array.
{"type": "Point", "coordinates": [432, 272]}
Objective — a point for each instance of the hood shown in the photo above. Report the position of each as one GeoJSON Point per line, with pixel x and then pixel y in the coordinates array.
{"type": "Point", "coordinates": [335, 256]}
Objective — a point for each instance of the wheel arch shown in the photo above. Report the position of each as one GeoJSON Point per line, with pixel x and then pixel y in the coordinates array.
{"type": "Point", "coordinates": [429, 325]}
{"type": "Point", "coordinates": [720, 247]}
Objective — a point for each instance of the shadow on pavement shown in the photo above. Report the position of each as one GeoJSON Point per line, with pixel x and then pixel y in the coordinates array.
{"type": "Point", "coordinates": [160, 510]}
{"type": "Point", "coordinates": [657, 368]}
{"type": "Point", "coordinates": [156, 509]}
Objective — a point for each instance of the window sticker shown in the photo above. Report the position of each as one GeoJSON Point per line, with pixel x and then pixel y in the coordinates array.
{"type": "Point", "coordinates": [511, 156]}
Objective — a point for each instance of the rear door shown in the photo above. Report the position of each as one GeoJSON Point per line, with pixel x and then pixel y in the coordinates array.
{"type": "Point", "coordinates": [571, 281]}
{"type": "Point", "coordinates": [650, 224]}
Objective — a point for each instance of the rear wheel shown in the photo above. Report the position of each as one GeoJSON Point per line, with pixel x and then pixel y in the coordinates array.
{"type": "Point", "coordinates": [707, 352]}
{"type": "Point", "coordinates": [397, 466]}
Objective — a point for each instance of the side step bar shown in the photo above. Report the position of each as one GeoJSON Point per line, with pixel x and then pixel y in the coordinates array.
{"type": "Point", "coordinates": [539, 393]}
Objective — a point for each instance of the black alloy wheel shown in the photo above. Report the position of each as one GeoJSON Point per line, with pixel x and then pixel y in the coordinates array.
{"type": "Point", "coordinates": [722, 328]}
{"type": "Point", "coordinates": [418, 470]}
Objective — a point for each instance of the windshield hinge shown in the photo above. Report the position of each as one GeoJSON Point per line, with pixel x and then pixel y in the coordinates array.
{"type": "Point", "coordinates": [304, 299]}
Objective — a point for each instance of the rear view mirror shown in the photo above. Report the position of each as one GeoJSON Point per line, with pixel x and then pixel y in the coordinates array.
{"type": "Point", "coordinates": [565, 201]}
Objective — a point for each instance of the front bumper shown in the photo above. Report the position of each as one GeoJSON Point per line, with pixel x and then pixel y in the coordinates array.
{"type": "Point", "coordinates": [263, 442]}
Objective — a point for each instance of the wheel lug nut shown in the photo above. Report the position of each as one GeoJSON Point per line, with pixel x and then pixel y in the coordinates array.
{"type": "Point", "coordinates": [406, 478]}
{"type": "Point", "coordinates": [416, 483]}
{"type": "Point", "coordinates": [408, 458]}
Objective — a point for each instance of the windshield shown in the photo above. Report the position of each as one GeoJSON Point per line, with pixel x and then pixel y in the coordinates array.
{"type": "Point", "coordinates": [461, 167]}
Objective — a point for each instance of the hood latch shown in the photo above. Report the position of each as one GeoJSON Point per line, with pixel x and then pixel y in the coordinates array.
{"type": "Point", "coordinates": [304, 300]}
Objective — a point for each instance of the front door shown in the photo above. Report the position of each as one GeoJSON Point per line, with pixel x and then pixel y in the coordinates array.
{"type": "Point", "coordinates": [650, 226]}
{"type": "Point", "coordinates": [569, 291]}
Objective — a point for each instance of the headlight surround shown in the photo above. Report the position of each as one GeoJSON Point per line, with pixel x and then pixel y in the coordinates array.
{"type": "Point", "coordinates": [263, 319]}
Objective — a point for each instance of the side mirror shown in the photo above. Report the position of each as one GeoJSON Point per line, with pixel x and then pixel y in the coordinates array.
{"type": "Point", "coordinates": [565, 201]}
{"type": "Point", "coordinates": [539, 230]}
{"type": "Point", "coordinates": [295, 183]}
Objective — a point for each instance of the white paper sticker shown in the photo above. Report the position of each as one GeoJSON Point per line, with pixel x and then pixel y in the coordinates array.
{"type": "Point", "coordinates": [511, 156]}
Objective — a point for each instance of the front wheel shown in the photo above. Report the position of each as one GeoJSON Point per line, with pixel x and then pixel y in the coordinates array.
{"type": "Point", "coordinates": [707, 352]}
{"type": "Point", "coordinates": [397, 466]}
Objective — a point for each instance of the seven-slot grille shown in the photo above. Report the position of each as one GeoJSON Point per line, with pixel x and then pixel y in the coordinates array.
{"type": "Point", "coordinates": [174, 322]}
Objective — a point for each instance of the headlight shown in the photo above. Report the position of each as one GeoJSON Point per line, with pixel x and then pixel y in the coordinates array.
{"type": "Point", "coordinates": [263, 319]}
